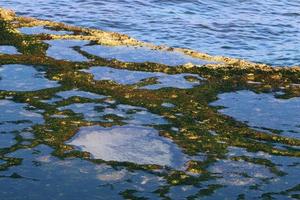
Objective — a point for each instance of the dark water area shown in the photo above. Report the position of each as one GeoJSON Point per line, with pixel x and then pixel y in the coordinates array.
{"type": "Point", "coordinates": [261, 31]}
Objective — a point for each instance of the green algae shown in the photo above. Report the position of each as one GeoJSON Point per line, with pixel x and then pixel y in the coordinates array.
{"type": "Point", "coordinates": [191, 114]}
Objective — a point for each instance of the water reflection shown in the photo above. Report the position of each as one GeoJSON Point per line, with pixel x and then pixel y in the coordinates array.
{"type": "Point", "coordinates": [141, 55]}
{"type": "Point", "coordinates": [247, 171]}
{"type": "Point", "coordinates": [45, 143]}
{"type": "Point", "coordinates": [45, 174]}
{"type": "Point", "coordinates": [134, 144]}
{"type": "Point", "coordinates": [23, 78]}
{"type": "Point", "coordinates": [41, 30]}
{"type": "Point", "coordinates": [128, 114]}
{"type": "Point", "coordinates": [133, 77]}
{"type": "Point", "coordinates": [15, 116]}
{"type": "Point", "coordinates": [62, 50]}
{"type": "Point", "coordinates": [74, 93]}
{"type": "Point", "coordinates": [263, 111]}
{"type": "Point", "coordinates": [4, 49]}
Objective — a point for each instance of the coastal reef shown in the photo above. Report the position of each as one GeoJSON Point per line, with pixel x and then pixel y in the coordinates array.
{"type": "Point", "coordinates": [165, 122]}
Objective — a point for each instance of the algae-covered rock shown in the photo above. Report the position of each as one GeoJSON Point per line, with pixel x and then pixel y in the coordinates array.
{"type": "Point", "coordinates": [6, 14]}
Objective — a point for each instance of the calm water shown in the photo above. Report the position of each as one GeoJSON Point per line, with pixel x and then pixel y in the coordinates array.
{"type": "Point", "coordinates": [263, 31]}
{"type": "Point", "coordinates": [74, 124]}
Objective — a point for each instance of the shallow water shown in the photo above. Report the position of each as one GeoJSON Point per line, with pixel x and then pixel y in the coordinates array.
{"type": "Point", "coordinates": [8, 49]}
{"type": "Point", "coordinates": [263, 111]}
{"type": "Point", "coordinates": [62, 50]}
{"type": "Point", "coordinates": [15, 117]}
{"type": "Point", "coordinates": [133, 77]}
{"type": "Point", "coordinates": [23, 78]}
{"type": "Point", "coordinates": [262, 31]}
{"type": "Point", "coordinates": [71, 116]}
{"type": "Point", "coordinates": [141, 145]}
{"type": "Point", "coordinates": [41, 30]}
{"type": "Point", "coordinates": [141, 55]}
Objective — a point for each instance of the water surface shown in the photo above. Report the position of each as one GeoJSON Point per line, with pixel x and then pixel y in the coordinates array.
{"type": "Point", "coordinates": [137, 130]}
{"type": "Point", "coordinates": [262, 31]}
{"type": "Point", "coordinates": [23, 78]}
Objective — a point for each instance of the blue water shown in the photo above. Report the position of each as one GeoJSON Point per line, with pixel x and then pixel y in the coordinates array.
{"type": "Point", "coordinates": [105, 139]}
{"type": "Point", "coordinates": [262, 31]}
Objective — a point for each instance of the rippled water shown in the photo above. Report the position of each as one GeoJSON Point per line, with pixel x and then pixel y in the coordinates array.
{"type": "Point", "coordinates": [263, 31]}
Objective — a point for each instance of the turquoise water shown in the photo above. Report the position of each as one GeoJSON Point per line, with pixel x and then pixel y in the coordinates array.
{"type": "Point", "coordinates": [262, 31]}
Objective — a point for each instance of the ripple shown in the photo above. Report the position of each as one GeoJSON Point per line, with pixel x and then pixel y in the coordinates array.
{"type": "Point", "coordinates": [206, 26]}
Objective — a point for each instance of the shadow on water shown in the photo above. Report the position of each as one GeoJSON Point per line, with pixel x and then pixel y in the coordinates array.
{"type": "Point", "coordinates": [114, 129]}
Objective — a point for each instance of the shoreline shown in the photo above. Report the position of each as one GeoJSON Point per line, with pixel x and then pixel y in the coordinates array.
{"type": "Point", "coordinates": [117, 39]}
